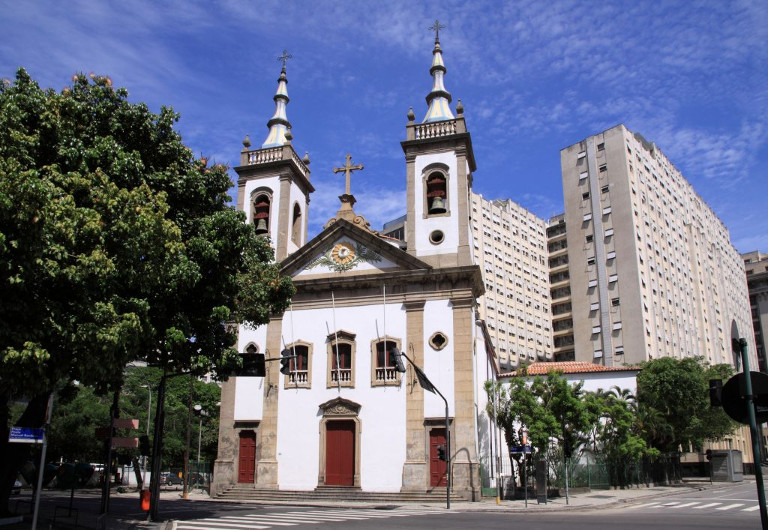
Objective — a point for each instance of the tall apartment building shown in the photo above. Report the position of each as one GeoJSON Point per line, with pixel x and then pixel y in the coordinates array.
{"type": "Point", "coordinates": [756, 264]}
{"type": "Point", "coordinates": [560, 290]}
{"type": "Point", "coordinates": [510, 246]}
{"type": "Point", "coordinates": [652, 269]}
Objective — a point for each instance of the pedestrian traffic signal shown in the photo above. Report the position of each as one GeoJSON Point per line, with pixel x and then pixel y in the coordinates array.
{"type": "Point", "coordinates": [285, 361]}
{"type": "Point", "coordinates": [441, 452]}
{"type": "Point", "coordinates": [397, 358]}
{"type": "Point", "coordinates": [144, 449]}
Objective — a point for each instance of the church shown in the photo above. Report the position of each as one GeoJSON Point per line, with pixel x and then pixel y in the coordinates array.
{"type": "Point", "coordinates": [341, 414]}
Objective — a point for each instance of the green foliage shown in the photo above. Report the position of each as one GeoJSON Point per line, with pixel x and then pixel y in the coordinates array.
{"type": "Point", "coordinates": [677, 390]}
{"type": "Point", "coordinates": [116, 244]}
{"type": "Point", "coordinates": [79, 411]}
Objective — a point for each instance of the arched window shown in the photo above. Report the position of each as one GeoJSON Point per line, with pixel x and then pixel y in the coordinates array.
{"type": "Point", "coordinates": [341, 353]}
{"type": "Point", "coordinates": [383, 364]}
{"type": "Point", "coordinates": [300, 374]}
{"type": "Point", "coordinates": [262, 203]}
{"type": "Point", "coordinates": [296, 225]}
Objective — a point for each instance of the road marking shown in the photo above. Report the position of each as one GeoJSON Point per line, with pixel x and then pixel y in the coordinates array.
{"type": "Point", "coordinates": [729, 507]}
{"type": "Point", "coordinates": [684, 505]}
{"type": "Point", "coordinates": [194, 525]}
{"type": "Point", "coordinates": [708, 505]}
{"type": "Point", "coordinates": [266, 519]}
{"type": "Point", "coordinates": [647, 505]}
{"type": "Point", "coordinates": [751, 508]}
{"type": "Point", "coordinates": [671, 503]}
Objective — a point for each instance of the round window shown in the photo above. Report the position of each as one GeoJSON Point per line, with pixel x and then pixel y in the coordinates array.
{"type": "Point", "coordinates": [436, 237]}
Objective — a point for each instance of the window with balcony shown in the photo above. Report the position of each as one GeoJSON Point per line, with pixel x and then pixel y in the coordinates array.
{"type": "Point", "coordinates": [341, 354]}
{"type": "Point", "coordinates": [300, 374]}
{"type": "Point", "coordinates": [384, 362]}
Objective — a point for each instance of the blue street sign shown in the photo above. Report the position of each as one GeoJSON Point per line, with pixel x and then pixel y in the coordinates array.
{"type": "Point", "coordinates": [26, 435]}
{"type": "Point", "coordinates": [519, 449]}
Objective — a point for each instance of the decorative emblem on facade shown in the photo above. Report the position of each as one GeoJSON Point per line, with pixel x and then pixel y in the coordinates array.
{"type": "Point", "coordinates": [344, 256]}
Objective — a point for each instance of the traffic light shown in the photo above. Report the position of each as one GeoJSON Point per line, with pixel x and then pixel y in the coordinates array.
{"type": "Point", "coordinates": [253, 365]}
{"type": "Point", "coordinates": [441, 452]}
{"type": "Point", "coordinates": [144, 449]}
{"type": "Point", "coordinates": [285, 361]}
{"type": "Point", "coordinates": [396, 357]}
{"type": "Point", "coordinates": [709, 454]}
{"type": "Point", "coordinates": [715, 392]}
{"type": "Point", "coordinates": [567, 447]}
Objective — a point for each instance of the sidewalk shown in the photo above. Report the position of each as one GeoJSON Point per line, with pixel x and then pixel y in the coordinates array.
{"type": "Point", "coordinates": [125, 512]}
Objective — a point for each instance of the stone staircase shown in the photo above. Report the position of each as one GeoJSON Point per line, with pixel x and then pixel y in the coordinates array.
{"type": "Point", "coordinates": [247, 492]}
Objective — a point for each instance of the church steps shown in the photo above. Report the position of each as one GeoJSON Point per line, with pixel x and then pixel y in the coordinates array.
{"type": "Point", "coordinates": [249, 493]}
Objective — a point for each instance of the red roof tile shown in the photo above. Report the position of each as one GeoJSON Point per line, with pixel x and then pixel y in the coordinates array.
{"type": "Point", "coordinates": [569, 367]}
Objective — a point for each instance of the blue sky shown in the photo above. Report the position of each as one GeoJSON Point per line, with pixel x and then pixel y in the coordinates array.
{"type": "Point", "coordinates": [534, 77]}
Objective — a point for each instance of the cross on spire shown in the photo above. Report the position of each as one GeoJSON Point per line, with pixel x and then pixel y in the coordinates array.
{"type": "Point", "coordinates": [347, 169]}
{"type": "Point", "coordinates": [436, 27]}
{"type": "Point", "coordinates": [284, 57]}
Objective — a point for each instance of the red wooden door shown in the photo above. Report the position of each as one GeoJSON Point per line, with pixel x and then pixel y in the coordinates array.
{"type": "Point", "coordinates": [437, 467]}
{"type": "Point", "coordinates": [246, 469]}
{"type": "Point", "coordinates": [340, 453]}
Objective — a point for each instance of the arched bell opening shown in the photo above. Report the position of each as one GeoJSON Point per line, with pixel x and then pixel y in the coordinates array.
{"type": "Point", "coordinates": [437, 193]}
{"type": "Point", "coordinates": [261, 209]}
{"type": "Point", "coordinates": [296, 224]}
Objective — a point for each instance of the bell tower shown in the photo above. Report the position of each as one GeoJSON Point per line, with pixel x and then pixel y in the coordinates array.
{"type": "Point", "coordinates": [273, 185]}
{"type": "Point", "coordinates": [439, 164]}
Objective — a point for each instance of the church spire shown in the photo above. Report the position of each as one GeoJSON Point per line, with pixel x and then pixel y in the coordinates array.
{"type": "Point", "coordinates": [278, 123]}
{"type": "Point", "coordinates": [439, 98]}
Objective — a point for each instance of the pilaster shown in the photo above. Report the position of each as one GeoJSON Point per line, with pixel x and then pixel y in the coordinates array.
{"type": "Point", "coordinates": [466, 473]}
{"type": "Point", "coordinates": [224, 473]}
{"type": "Point", "coordinates": [415, 469]}
{"type": "Point", "coordinates": [266, 466]}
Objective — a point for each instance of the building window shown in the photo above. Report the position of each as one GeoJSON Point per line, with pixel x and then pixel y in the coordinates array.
{"type": "Point", "coordinates": [587, 216]}
{"type": "Point", "coordinates": [603, 168]}
{"type": "Point", "coordinates": [438, 341]}
{"type": "Point", "coordinates": [585, 195]}
{"type": "Point", "coordinates": [296, 225]}
{"type": "Point", "coordinates": [341, 354]}
{"type": "Point", "coordinates": [592, 283]}
{"type": "Point", "coordinates": [261, 211]}
{"type": "Point", "coordinates": [384, 368]}
{"type": "Point", "coordinates": [604, 189]}
{"type": "Point", "coordinates": [600, 146]}
{"type": "Point", "coordinates": [613, 278]}
{"type": "Point", "coordinates": [435, 190]}
{"type": "Point", "coordinates": [581, 155]}
{"type": "Point", "coordinates": [589, 238]}
{"type": "Point", "coordinates": [300, 374]}
{"type": "Point", "coordinates": [610, 256]}
{"type": "Point", "coordinates": [615, 302]}
{"type": "Point", "coordinates": [583, 175]}
{"type": "Point", "coordinates": [609, 232]}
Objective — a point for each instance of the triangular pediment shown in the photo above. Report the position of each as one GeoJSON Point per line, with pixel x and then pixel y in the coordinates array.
{"type": "Point", "coordinates": [344, 248]}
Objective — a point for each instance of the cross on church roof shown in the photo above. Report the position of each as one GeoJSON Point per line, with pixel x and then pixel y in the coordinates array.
{"type": "Point", "coordinates": [284, 57]}
{"type": "Point", "coordinates": [436, 27]}
{"type": "Point", "coordinates": [347, 169]}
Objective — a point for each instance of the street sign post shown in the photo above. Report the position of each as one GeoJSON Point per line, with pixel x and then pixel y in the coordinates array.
{"type": "Point", "coordinates": [26, 435]}
{"type": "Point", "coordinates": [734, 397]}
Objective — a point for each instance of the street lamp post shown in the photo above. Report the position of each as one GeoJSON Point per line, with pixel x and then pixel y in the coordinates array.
{"type": "Point", "coordinates": [203, 414]}
{"type": "Point", "coordinates": [149, 420]}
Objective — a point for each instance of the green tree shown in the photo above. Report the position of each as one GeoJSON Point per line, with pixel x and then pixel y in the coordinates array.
{"type": "Point", "coordinates": [678, 390]}
{"type": "Point", "coordinates": [116, 245]}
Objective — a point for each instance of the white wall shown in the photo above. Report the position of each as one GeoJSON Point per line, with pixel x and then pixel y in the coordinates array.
{"type": "Point", "coordinates": [438, 365]}
{"type": "Point", "coordinates": [249, 391]}
{"type": "Point", "coordinates": [448, 225]}
{"type": "Point", "coordinates": [382, 412]}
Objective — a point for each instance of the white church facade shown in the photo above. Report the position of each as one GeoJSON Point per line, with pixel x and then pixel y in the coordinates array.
{"type": "Point", "coordinates": [343, 415]}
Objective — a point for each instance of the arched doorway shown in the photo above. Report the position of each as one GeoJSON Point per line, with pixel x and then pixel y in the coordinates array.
{"type": "Point", "coordinates": [340, 430]}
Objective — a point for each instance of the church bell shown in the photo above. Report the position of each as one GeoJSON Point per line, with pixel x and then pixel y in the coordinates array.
{"type": "Point", "coordinates": [437, 205]}
{"type": "Point", "coordinates": [261, 226]}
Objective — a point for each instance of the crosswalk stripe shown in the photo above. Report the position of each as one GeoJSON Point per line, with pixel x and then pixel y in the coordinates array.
{"type": "Point", "coordinates": [751, 508]}
{"type": "Point", "coordinates": [707, 505]}
{"type": "Point", "coordinates": [671, 503]}
{"type": "Point", "coordinates": [194, 525]}
{"type": "Point", "coordinates": [646, 505]}
{"type": "Point", "coordinates": [684, 505]}
{"type": "Point", "coordinates": [730, 506]}
{"type": "Point", "coordinates": [265, 519]}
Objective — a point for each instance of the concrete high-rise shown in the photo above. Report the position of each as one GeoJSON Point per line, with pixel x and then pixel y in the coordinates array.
{"type": "Point", "coordinates": [652, 270]}
{"type": "Point", "coordinates": [560, 289]}
{"type": "Point", "coordinates": [756, 264]}
{"type": "Point", "coordinates": [510, 246]}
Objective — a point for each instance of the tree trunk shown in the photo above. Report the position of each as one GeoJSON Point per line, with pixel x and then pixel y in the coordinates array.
{"type": "Point", "coordinates": [15, 454]}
